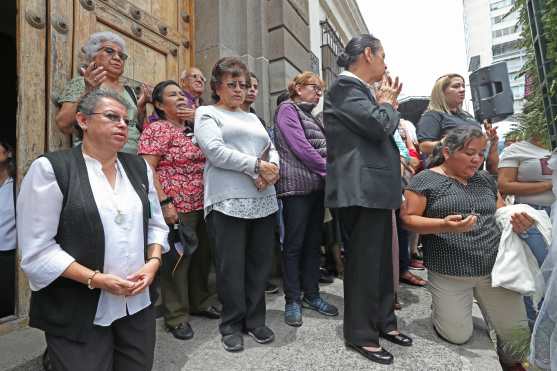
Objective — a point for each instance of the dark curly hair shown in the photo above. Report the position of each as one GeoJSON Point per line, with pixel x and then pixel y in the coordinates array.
{"type": "Point", "coordinates": [226, 66]}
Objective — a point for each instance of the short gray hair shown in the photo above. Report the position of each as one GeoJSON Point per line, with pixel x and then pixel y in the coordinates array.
{"type": "Point", "coordinates": [455, 140]}
{"type": "Point", "coordinates": [93, 44]}
{"type": "Point", "coordinates": [88, 103]}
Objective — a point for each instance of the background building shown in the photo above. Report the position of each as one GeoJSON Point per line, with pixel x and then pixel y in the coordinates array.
{"type": "Point", "coordinates": [492, 35]}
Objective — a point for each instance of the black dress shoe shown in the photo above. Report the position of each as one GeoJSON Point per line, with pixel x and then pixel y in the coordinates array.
{"type": "Point", "coordinates": [381, 356]}
{"type": "Point", "coordinates": [183, 331]}
{"type": "Point", "coordinates": [211, 313]}
{"type": "Point", "coordinates": [399, 339]}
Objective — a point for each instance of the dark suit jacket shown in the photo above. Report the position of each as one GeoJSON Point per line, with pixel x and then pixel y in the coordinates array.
{"type": "Point", "coordinates": [363, 161]}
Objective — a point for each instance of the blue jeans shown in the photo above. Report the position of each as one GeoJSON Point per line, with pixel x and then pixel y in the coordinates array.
{"type": "Point", "coordinates": [537, 245]}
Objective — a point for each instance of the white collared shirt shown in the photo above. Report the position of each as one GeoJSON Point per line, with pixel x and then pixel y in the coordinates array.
{"type": "Point", "coordinates": [43, 260]}
{"type": "Point", "coordinates": [350, 74]}
{"type": "Point", "coordinates": [7, 215]}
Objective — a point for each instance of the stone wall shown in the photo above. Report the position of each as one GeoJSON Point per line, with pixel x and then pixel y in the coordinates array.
{"type": "Point", "coordinates": [271, 37]}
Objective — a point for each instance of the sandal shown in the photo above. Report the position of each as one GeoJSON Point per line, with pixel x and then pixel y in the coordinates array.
{"type": "Point", "coordinates": [413, 280]}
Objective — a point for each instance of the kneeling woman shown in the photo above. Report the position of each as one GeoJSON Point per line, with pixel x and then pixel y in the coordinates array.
{"type": "Point", "coordinates": [93, 245]}
{"type": "Point", "coordinates": [452, 205]}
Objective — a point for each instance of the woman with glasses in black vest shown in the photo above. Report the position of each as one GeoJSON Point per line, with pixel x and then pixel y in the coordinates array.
{"type": "Point", "coordinates": [91, 240]}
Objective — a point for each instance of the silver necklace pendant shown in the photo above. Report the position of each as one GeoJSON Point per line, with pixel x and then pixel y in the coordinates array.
{"type": "Point", "coordinates": [119, 219]}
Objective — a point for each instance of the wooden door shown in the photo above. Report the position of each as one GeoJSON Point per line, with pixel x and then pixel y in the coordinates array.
{"type": "Point", "coordinates": [158, 36]}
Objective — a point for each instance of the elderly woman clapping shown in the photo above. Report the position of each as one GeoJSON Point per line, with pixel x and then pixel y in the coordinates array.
{"type": "Point", "coordinates": [105, 54]}
{"type": "Point", "coordinates": [93, 246]}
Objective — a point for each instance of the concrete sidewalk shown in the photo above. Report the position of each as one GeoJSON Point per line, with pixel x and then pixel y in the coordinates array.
{"type": "Point", "coordinates": [319, 345]}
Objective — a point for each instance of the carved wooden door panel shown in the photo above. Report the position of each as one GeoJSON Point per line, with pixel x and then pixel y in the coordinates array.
{"type": "Point", "coordinates": [158, 36]}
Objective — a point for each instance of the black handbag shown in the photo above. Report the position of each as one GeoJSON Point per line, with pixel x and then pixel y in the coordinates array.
{"type": "Point", "coordinates": [183, 241]}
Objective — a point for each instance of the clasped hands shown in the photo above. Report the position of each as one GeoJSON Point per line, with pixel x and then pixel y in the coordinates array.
{"type": "Point", "coordinates": [129, 286]}
{"type": "Point", "coordinates": [521, 222]}
{"type": "Point", "coordinates": [268, 175]}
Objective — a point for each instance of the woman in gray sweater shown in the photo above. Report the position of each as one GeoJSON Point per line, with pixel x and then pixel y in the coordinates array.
{"type": "Point", "coordinates": [239, 201]}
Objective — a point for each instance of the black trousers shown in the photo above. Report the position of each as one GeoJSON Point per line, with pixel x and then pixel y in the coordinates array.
{"type": "Point", "coordinates": [7, 283]}
{"type": "Point", "coordinates": [368, 275]}
{"type": "Point", "coordinates": [128, 344]}
{"type": "Point", "coordinates": [303, 223]}
{"type": "Point", "coordinates": [243, 259]}
{"type": "Point", "coordinates": [403, 245]}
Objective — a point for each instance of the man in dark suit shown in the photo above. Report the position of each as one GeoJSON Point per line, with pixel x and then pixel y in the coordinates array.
{"type": "Point", "coordinates": [363, 183]}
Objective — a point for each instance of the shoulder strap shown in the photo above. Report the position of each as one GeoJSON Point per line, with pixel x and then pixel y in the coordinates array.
{"type": "Point", "coordinates": [131, 93]}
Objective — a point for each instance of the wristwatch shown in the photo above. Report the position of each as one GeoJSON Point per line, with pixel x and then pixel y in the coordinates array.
{"type": "Point", "coordinates": [167, 201]}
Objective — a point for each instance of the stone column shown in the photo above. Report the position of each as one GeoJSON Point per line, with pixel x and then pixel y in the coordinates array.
{"type": "Point", "coordinates": [234, 28]}
{"type": "Point", "coordinates": [289, 43]}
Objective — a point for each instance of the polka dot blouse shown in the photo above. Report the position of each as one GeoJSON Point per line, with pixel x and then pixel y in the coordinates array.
{"type": "Point", "coordinates": [467, 254]}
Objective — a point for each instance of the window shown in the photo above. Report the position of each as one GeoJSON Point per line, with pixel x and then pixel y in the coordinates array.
{"type": "Point", "coordinates": [474, 63]}
{"type": "Point", "coordinates": [497, 19]}
{"type": "Point", "coordinates": [505, 48]}
{"type": "Point", "coordinates": [505, 31]}
{"type": "Point", "coordinates": [501, 4]}
{"type": "Point", "coordinates": [331, 47]}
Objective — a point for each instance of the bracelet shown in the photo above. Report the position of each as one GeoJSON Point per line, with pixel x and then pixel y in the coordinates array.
{"type": "Point", "coordinates": [257, 166]}
{"type": "Point", "coordinates": [167, 201]}
{"type": "Point", "coordinates": [90, 279]}
{"type": "Point", "coordinates": [155, 257]}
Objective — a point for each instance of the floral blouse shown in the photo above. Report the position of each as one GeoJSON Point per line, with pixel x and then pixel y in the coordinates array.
{"type": "Point", "coordinates": [180, 169]}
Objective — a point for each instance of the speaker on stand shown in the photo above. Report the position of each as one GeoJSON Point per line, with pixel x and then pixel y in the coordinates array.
{"type": "Point", "coordinates": [492, 96]}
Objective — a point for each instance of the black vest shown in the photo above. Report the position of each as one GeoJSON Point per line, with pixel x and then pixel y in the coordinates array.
{"type": "Point", "coordinates": [65, 307]}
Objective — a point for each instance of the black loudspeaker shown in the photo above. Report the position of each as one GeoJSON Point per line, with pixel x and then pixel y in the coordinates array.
{"type": "Point", "coordinates": [492, 96]}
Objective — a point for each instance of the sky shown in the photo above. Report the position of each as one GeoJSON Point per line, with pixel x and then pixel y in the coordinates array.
{"type": "Point", "coordinates": [422, 39]}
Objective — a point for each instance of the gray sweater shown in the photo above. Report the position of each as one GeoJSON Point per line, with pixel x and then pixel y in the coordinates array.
{"type": "Point", "coordinates": [232, 142]}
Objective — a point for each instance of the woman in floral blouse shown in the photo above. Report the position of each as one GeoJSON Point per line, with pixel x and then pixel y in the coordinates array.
{"type": "Point", "coordinates": [167, 146]}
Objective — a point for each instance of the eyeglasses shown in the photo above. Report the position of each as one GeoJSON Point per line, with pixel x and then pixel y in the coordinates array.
{"type": "Point", "coordinates": [316, 88]}
{"type": "Point", "coordinates": [112, 117]}
{"type": "Point", "coordinates": [112, 52]}
{"type": "Point", "coordinates": [234, 83]}
{"type": "Point", "coordinates": [196, 76]}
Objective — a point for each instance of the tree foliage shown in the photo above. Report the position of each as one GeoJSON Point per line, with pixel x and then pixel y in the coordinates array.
{"type": "Point", "coordinates": [532, 121]}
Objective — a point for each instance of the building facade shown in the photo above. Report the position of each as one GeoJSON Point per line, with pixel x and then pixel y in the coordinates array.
{"type": "Point", "coordinates": [276, 38]}
{"type": "Point", "coordinates": [492, 35]}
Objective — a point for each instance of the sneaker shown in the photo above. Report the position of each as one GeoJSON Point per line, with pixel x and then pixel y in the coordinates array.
{"type": "Point", "coordinates": [293, 314]}
{"type": "Point", "coordinates": [183, 331]}
{"type": "Point", "coordinates": [262, 334]}
{"type": "Point", "coordinates": [417, 264]}
{"type": "Point", "coordinates": [271, 288]}
{"type": "Point", "coordinates": [321, 306]}
{"type": "Point", "coordinates": [233, 342]}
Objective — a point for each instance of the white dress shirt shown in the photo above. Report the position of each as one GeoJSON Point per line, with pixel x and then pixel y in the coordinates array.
{"type": "Point", "coordinates": [7, 215]}
{"type": "Point", "coordinates": [43, 260]}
